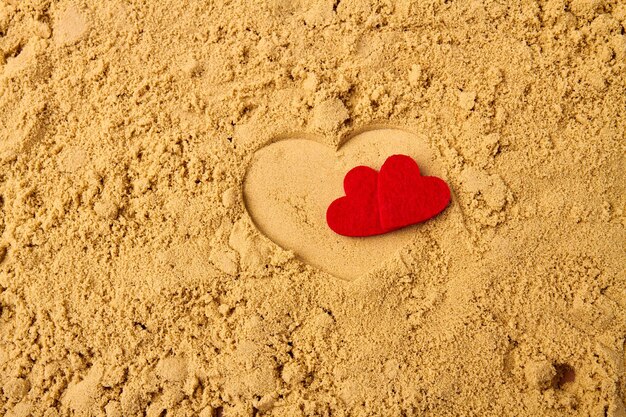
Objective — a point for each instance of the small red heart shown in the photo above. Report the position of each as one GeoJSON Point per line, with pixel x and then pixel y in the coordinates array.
{"type": "Point", "coordinates": [356, 214]}
{"type": "Point", "coordinates": [377, 203]}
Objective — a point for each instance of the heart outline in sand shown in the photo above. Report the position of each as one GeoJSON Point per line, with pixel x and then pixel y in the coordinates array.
{"type": "Point", "coordinates": [291, 181]}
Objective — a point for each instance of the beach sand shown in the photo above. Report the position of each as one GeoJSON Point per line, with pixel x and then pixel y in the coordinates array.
{"type": "Point", "coordinates": [164, 171]}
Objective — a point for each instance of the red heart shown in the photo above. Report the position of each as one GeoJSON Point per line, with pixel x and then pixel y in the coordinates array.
{"type": "Point", "coordinates": [356, 214]}
{"type": "Point", "coordinates": [378, 203]}
{"type": "Point", "coordinates": [405, 197]}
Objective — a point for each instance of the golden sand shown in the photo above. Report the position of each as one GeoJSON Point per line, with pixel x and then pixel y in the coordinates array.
{"type": "Point", "coordinates": [165, 167]}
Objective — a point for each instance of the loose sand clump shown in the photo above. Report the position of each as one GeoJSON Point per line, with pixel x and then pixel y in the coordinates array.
{"type": "Point", "coordinates": [134, 280]}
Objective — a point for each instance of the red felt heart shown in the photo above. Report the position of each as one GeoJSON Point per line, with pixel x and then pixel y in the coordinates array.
{"type": "Point", "coordinates": [405, 197]}
{"type": "Point", "coordinates": [356, 214]}
{"type": "Point", "coordinates": [377, 203]}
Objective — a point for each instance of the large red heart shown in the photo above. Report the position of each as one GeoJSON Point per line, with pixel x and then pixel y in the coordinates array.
{"type": "Point", "coordinates": [377, 203]}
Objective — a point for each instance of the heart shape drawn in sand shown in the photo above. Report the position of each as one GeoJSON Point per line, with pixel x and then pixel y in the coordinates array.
{"type": "Point", "coordinates": [377, 203]}
{"type": "Point", "coordinates": [291, 182]}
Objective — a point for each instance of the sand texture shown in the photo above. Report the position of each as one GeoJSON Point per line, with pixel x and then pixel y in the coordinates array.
{"type": "Point", "coordinates": [164, 171]}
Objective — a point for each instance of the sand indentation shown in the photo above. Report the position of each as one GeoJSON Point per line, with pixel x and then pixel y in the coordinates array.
{"type": "Point", "coordinates": [291, 182]}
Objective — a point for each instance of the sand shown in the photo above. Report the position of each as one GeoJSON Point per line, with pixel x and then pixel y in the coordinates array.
{"type": "Point", "coordinates": [164, 168]}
